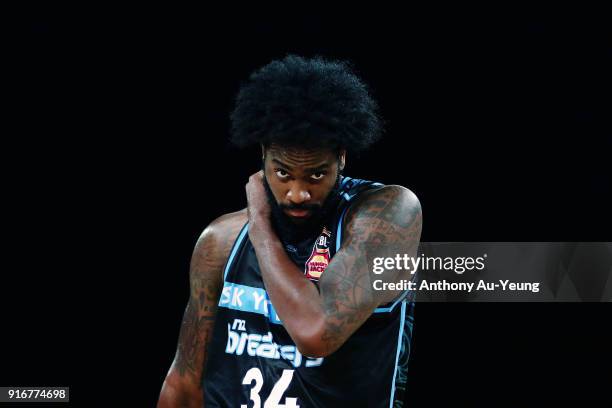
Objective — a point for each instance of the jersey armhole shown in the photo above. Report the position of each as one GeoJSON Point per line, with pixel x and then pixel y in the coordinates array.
{"type": "Point", "coordinates": [235, 247]}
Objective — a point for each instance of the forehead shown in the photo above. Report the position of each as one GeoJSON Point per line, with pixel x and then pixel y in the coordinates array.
{"type": "Point", "coordinates": [297, 156]}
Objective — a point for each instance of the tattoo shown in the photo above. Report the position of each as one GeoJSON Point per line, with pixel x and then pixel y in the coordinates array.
{"type": "Point", "coordinates": [385, 223]}
{"type": "Point", "coordinates": [196, 330]}
{"type": "Point", "coordinates": [205, 280]}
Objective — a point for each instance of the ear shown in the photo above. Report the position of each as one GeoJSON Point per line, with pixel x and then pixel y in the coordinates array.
{"type": "Point", "coordinates": [263, 152]}
{"type": "Point", "coordinates": [342, 159]}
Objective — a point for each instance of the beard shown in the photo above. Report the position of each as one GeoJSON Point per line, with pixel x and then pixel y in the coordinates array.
{"type": "Point", "coordinates": [291, 232]}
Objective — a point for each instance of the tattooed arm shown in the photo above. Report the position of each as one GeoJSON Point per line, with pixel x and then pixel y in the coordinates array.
{"type": "Point", "coordinates": [183, 384]}
{"type": "Point", "coordinates": [382, 223]}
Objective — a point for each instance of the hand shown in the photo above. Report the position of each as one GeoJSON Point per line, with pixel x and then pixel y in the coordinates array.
{"type": "Point", "coordinates": [258, 208]}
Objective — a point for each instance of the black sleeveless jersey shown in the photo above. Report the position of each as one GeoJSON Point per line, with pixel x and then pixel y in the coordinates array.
{"type": "Point", "coordinates": [253, 362]}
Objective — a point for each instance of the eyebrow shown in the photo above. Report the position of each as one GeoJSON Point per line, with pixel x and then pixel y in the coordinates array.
{"type": "Point", "coordinates": [313, 169]}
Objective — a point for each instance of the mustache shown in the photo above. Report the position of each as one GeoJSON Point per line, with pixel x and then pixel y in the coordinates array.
{"type": "Point", "coordinates": [310, 207]}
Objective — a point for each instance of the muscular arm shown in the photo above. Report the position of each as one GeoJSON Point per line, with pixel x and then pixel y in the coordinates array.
{"type": "Point", "coordinates": [382, 223]}
{"type": "Point", "coordinates": [183, 384]}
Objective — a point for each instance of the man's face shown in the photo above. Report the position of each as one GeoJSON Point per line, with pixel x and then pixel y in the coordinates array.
{"type": "Point", "coordinates": [301, 179]}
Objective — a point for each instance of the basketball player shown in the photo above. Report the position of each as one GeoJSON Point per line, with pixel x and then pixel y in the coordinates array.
{"type": "Point", "coordinates": [282, 310]}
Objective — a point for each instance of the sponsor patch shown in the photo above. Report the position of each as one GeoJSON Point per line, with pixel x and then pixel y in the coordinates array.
{"type": "Point", "coordinates": [319, 258]}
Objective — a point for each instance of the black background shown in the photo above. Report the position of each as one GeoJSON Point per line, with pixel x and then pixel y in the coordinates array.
{"type": "Point", "coordinates": [116, 158]}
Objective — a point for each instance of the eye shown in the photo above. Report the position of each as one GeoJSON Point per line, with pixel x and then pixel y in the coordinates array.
{"type": "Point", "coordinates": [282, 174]}
{"type": "Point", "coordinates": [317, 176]}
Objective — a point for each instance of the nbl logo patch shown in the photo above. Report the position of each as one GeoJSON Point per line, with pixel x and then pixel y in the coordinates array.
{"type": "Point", "coordinates": [319, 258]}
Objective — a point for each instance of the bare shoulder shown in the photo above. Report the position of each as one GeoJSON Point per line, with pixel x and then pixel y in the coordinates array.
{"type": "Point", "coordinates": [216, 241]}
{"type": "Point", "coordinates": [392, 203]}
{"type": "Point", "coordinates": [383, 222]}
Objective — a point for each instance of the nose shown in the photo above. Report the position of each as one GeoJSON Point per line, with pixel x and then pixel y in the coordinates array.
{"type": "Point", "coordinates": [298, 194]}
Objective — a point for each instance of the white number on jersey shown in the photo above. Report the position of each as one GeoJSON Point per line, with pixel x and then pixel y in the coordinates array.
{"type": "Point", "coordinates": [273, 400]}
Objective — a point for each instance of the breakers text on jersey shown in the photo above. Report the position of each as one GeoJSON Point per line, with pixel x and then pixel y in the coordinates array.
{"type": "Point", "coordinates": [239, 340]}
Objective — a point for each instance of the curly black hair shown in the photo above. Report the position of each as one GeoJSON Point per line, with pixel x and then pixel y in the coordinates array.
{"type": "Point", "coordinates": [306, 102]}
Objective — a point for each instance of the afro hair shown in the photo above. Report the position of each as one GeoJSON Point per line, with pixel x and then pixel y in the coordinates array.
{"type": "Point", "coordinates": [305, 102]}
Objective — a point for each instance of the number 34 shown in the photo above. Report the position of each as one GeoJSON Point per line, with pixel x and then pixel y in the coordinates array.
{"type": "Point", "coordinates": [273, 400]}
